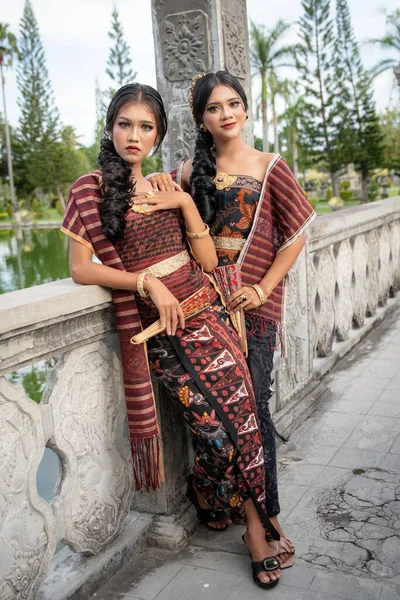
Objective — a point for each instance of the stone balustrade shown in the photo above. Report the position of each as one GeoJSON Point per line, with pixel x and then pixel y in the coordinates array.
{"type": "Point", "coordinates": [344, 282]}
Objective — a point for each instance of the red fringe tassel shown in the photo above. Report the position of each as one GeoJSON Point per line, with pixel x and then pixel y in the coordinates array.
{"type": "Point", "coordinates": [147, 464]}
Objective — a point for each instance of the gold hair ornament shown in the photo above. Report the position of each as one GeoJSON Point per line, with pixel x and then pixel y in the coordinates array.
{"type": "Point", "coordinates": [192, 84]}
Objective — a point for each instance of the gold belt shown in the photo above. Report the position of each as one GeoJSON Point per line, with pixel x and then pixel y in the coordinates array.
{"type": "Point", "coordinates": [228, 243]}
{"type": "Point", "coordinates": [168, 266]}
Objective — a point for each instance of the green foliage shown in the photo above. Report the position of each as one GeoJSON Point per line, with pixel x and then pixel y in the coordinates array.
{"type": "Point", "coordinates": [345, 184]}
{"type": "Point", "coordinates": [313, 201]}
{"type": "Point", "coordinates": [373, 191]}
{"type": "Point", "coordinates": [346, 194]}
{"type": "Point", "coordinates": [390, 128]}
{"type": "Point", "coordinates": [35, 205]}
{"type": "Point", "coordinates": [119, 61]}
{"type": "Point", "coordinates": [322, 110]}
{"type": "Point", "coordinates": [267, 55]}
{"type": "Point", "coordinates": [152, 164]}
{"type": "Point", "coordinates": [3, 215]}
{"type": "Point", "coordinates": [362, 138]}
{"type": "Point", "coordinates": [38, 131]}
{"type": "Point", "coordinates": [258, 143]}
{"type": "Point", "coordinates": [59, 208]}
{"type": "Point", "coordinates": [329, 194]}
{"type": "Point", "coordinates": [389, 42]}
{"type": "Point", "coordinates": [9, 209]}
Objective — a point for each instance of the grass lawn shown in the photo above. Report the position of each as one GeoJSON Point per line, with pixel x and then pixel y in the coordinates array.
{"type": "Point", "coordinates": [394, 191]}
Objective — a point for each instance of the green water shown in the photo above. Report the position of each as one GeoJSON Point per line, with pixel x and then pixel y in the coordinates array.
{"type": "Point", "coordinates": [28, 258]}
{"type": "Point", "coordinates": [31, 257]}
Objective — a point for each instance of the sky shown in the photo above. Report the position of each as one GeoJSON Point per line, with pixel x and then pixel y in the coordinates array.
{"type": "Point", "coordinates": [76, 44]}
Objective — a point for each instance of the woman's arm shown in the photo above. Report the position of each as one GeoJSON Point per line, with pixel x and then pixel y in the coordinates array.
{"type": "Point", "coordinates": [282, 264]}
{"type": "Point", "coordinates": [85, 271]}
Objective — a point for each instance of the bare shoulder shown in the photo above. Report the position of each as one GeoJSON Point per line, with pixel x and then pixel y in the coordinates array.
{"type": "Point", "coordinates": [259, 162]}
{"type": "Point", "coordinates": [186, 173]}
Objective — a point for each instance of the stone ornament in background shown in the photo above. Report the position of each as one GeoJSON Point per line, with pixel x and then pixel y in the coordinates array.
{"type": "Point", "coordinates": [343, 297]}
{"type": "Point", "coordinates": [186, 45]}
{"type": "Point", "coordinates": [27, 527]}
{"type": "Point", "coordinates": [82, 418]}
{"type": "Point", "coordinates": [235, 40]}
{"type": "Point", "coordinates": [86, 394]}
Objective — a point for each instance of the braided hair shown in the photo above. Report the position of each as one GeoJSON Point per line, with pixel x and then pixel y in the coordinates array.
{"type": "Point", "coordinates": [204, 159]}
{"type": "Point", "coordinates": [118, 184]}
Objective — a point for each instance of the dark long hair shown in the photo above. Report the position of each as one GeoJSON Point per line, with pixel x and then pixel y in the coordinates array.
{"type": "Point", "coordinates": [204, 160]}
{"type": "Point", "coordinates": [118, 185]}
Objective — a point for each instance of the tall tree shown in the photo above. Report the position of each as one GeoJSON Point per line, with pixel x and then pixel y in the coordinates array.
{"type": "Point", "coordinates": [119, 62]}
{"type": "Point", "coordinates": [321, 119]}
{"type": "Point", "coordinates": [39, 123]}
{"type": "Point", "coordinates": [294, 104]}
{"type": "Point", "coordinates": [389, 42]}
{"type": "Point", "coordinates": [267, 54]}
{"type": "Point", "coordinates": [8, 51]}
{"type": "Point", "coordinates": [364, 140]}
{"type": "Point", "coordinates": [390, 127]}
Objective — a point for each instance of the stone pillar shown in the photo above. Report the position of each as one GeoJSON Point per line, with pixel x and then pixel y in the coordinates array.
{"type": "Point", "coordinates": [190, 38]}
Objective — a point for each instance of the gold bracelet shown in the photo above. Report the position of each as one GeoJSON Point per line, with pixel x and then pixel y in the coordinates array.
{"type": "Point", "coordinates": [198, 236]}
{"type": "Point", "coordinates": [141, 280]}
{"type": "Point", "coordinates": [260, 293]}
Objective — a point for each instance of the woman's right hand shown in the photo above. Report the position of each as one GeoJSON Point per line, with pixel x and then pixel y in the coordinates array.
{"type": "Point", "coordinates": [163, 182]}
{"type": "Point", "coordinates": [171, 313]}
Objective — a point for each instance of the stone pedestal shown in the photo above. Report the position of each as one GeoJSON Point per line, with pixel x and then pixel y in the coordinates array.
{"type": "Point", "coordinates": [190, 38]}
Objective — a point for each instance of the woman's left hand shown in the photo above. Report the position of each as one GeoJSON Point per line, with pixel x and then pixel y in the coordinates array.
{"type": "Point", "coordinates": [162, 200]}
{"type": "Point", "coordinates": [246, 298]}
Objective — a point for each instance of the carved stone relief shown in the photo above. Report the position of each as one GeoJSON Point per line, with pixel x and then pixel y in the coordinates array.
{"type": "Point", "coordinates": [395, 253]}
{"type": "Point", "coordinates": [27, 533]}
{"type": "Point", "coordinates": [235, 41]}
{"type": "Point", "coordinates": [312, 292]}
{"type": "Point", "coordinates": [384, 265]}
{"type": "Point", "coordinates": [359, 289]}
{"type": "Point", "coordinates": [87, 397]}
{"type": "Point", "coordinates": [186, 43]}
{"type": "Point", "coordinates": [343, 296]}
{"type": "Point", "coordinates": [182, 134]}
{"type": "Point", "coordinates": [372, 240]}
{"type": "Point", "coordinates": [325, 309]}
{"type": "Point", "coordinates": [295, 368]}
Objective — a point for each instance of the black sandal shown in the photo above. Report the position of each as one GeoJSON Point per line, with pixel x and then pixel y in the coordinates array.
{"type": "Point", "coordinates": [264, 566]}
{"type": "Point", "coordinates": [206, 515]}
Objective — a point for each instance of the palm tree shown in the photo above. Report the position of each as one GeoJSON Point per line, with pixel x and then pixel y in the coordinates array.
{"type": "Point", "coordinates": [8, 50]}
{"type": "Point", "coordinates": [390, 42]}
{"type": "Point", "coordinates": [267, 55]}
{"type": "Point", "coordinates": [294, 103]}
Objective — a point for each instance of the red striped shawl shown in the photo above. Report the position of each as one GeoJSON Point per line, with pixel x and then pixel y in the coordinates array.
{"type": "Point", "coordinates": [281, 217]}
{"type": "Point", "coordinates": [82, 223]}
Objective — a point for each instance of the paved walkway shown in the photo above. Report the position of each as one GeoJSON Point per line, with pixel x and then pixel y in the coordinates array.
{"type": "Point", "coordinates": [340, 492]}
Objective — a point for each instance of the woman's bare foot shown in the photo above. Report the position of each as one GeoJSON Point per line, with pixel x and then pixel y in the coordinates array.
{"type": "Point", "coordinates": [283, 556]}
{"type": "Point", "coordinates": [222, 524]}
{"type": "Point", "coordinates": [260, 549]}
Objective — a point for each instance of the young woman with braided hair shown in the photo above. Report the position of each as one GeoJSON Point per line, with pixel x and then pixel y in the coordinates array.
{"type": "Point", "coordinates": [257, 213]}
{"type": "Point", "coordinates": [140, 237]}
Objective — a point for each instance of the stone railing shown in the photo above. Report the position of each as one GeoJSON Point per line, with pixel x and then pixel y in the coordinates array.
{"type": "Point", "coordinates": [343, 283]}
{"type": "Point", "coordinates": [81, 417]}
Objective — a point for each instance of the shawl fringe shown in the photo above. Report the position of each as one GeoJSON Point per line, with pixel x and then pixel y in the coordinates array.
{"type": "Point", "coordinates": [147, 464]}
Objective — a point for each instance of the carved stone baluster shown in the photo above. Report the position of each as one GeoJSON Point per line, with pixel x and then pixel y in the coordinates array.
{"type": "Point", "coordinates": [324, 303]}
{"type": "Point", "coordinates": [395, 253]}
{"type": "Point", "coordinates": [27, 532]}
{"type": "Point", "coordinates": [372, 240]}
{"type": "Point", "coordinates": [359, 288]}
{"type": "Point", "coordinates": [89, 411]}
{"type": "Point", "coordinates": [384, 265]}
{"type": "Point", "coordinates": [295, 369]}
{"type": "Point", "coordinates": [343, 297]}
{"type": "Point", "coordinates": [312, 293]}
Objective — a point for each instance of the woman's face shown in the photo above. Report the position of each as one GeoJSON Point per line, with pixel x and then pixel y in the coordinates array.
{"type": "Point", "coordinates": [134, 132]}
{"type": "Point", "coordinates": [224, 115]}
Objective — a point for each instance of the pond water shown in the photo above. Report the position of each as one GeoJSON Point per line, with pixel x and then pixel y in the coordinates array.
{"type": "Point", "coordinates": [28, 258]}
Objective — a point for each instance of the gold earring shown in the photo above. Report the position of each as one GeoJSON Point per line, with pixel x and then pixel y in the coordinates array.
{"type": "Point", "coordinates": [203, 128]}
